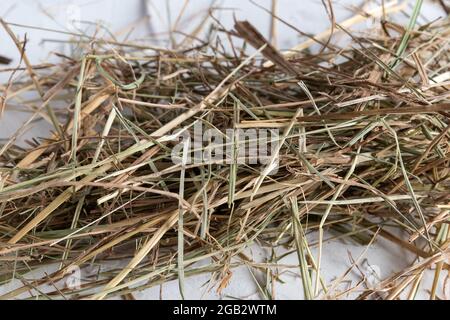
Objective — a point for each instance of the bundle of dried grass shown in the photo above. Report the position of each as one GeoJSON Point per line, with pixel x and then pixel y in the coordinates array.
{"type": "Point", "coordinates": [363, 150]}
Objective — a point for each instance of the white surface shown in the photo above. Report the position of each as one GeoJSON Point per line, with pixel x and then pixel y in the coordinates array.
{"type": "Point", "coordinates": [118, 16]}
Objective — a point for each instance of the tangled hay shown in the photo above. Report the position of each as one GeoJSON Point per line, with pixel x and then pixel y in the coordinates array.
{"type": "Point", "coordinates": [362, 151]}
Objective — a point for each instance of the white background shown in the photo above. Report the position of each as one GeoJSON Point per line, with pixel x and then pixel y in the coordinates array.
{"type": "Point", "coordinates": [140, 20]}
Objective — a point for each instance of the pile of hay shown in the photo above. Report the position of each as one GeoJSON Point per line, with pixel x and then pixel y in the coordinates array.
{"type": "Point", "coordinates": [357, 143]}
